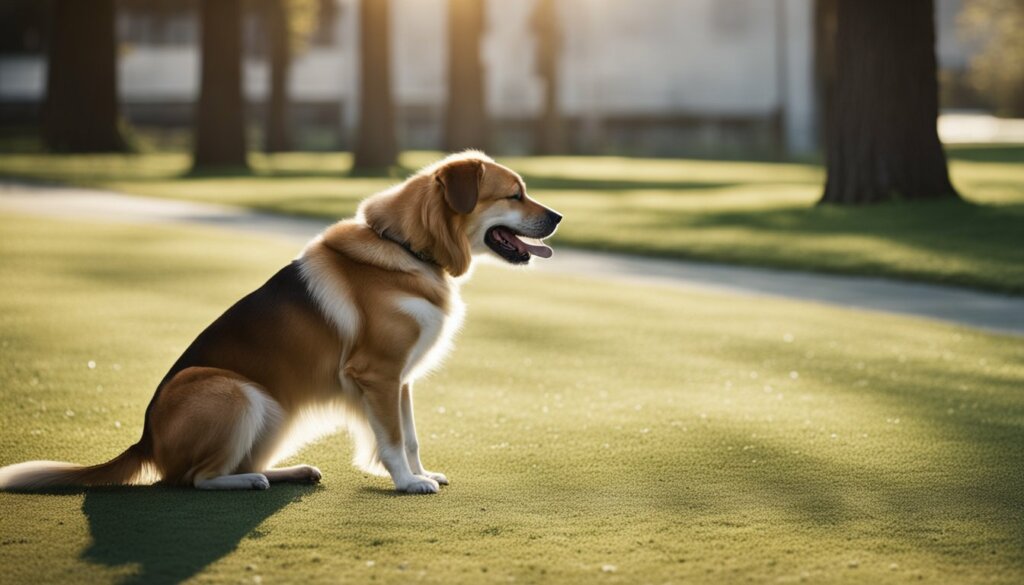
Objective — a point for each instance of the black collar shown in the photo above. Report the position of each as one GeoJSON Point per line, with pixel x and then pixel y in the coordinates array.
{"type": "Point", "coordinates": [421, 256]}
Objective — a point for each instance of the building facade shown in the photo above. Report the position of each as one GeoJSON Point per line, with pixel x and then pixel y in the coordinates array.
{"type": "Point", "coordinates": [651, 77]}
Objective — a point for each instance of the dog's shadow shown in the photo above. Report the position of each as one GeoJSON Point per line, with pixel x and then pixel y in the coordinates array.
{"type": "Point", "coordinates": [171, 534]}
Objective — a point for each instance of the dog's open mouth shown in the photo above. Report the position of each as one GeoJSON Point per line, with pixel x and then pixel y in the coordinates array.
{"type": "Point", "coordinates": [510, 245]}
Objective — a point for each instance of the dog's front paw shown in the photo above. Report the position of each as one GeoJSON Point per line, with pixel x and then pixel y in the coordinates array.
{"type": "Point", "coordinates": [258, 481]}
{"type": "Point", "coordinates": [419, 485]}
{"type": "Point", "coordinates": [438, 477]}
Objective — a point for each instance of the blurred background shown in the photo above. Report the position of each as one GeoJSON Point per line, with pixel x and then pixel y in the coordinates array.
{"type": "Point", "coordinates": [708, 78]}
{"type": "Point", "coordinates": [693, 129]}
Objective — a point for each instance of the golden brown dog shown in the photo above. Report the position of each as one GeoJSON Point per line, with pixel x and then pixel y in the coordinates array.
{"type": "Point", "coordinates": [340, 334]}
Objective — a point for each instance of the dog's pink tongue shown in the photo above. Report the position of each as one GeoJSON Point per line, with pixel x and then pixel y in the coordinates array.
{"type": "Point", "coordinates": [535, 249]}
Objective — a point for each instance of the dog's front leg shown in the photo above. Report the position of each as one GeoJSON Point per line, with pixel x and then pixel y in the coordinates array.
{"type": "Point", "coordinates": [382, 397]}
{"type": "Point", "coordinates": [412, 443]}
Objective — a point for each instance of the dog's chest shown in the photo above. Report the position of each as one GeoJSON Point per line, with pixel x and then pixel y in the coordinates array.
{"type": "Point", "coordinates": [436, 330]}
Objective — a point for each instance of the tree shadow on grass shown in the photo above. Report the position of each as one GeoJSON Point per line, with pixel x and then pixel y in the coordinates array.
{"type": "Point", "coordinates": [968, 493]}
{"type": "Point", "coordinates": [959, 232]}
{"type": "Point", "coordinates": [553, 183]}
{"type": "Point", "coordinates": [988, 153]}
{"type": "Point", "coordinates": [226, 172]}
{"type": "Point", "coordinates": [172, 534]}
{"type": "Point", "coordinates": [398, 173]}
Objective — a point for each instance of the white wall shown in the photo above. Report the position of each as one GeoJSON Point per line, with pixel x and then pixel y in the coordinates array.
{"type": "Point", "coordinates": [21, 78]}
{"type": "Point", "coordinates": [663, 56]}
{"type": "Point", "coordinates": [637, 57]}
{"type": "Point", "coordinates": [950, 48]}
{"type": "Point", "coordinates": [800, 107]}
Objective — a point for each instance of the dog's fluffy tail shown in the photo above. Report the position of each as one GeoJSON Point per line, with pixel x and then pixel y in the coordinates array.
{"type": "Point", "coordinates": [132, 466]}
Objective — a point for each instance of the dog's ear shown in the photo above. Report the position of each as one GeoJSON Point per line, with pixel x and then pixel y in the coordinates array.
{"type": "Point", "coordinates": [460, 182]}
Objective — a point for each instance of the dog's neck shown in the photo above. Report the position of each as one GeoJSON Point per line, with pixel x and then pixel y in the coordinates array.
{"type": "Point", "coordinates": [416, 217]}
{"type": "Point", "coordinates": [421, 255]}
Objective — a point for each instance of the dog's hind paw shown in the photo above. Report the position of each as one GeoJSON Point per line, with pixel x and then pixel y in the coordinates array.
{"type": "Point", "coordinates": [310, 474]}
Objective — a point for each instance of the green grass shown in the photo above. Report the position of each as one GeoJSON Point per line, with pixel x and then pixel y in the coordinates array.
{"type": "Point", "coordinates": [737, 212]}
{"type": "Point", "coordinates": [685, 438]}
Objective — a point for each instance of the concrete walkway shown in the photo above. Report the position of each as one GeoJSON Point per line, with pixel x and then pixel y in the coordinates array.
{"type": "Point", "coordinates": [972, 308]}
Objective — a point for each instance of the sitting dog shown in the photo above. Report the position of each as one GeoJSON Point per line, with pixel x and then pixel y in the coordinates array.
{"type": "Point", "coordinates": [343, 331]}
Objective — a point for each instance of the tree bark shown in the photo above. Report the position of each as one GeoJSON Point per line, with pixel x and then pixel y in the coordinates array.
{"type": "Point", "coordinates": [81, 111]}
{"type": "Point", "coordinates": [825, 62]}
{"type": "Point", "coordinates": [376, 146]}
{"type": "Point", "coordinates": [882, 142]}
{"type": "Point", "coordinates": [220, 117]}
{"type": "Point", "coordinates": [550, 131]}
{"type": "Point", "coordinates": [465, 115]}
{"type": "Point", "coordinates": [275, 16]}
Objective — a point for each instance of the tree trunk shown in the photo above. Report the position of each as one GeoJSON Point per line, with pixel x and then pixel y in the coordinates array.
{"type": "Point", "coordinates": [550, 131]}
{"type": "Point", "coordinates": [465, 116]}
{"type": "Point", "coordinates": [825, 62]}
{"type": "Point", "coordinates": [882, 142]}
{"type": "Point", "coordinates": [220, 119]}
{"type": "Point", "coordinates": [275, 18]}
{"type": "Point", "coordinates": [376, 146]}
{"type": "Point", "coordinates": [81, 109]}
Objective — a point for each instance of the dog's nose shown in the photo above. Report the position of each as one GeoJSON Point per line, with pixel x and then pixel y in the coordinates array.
{"type": "Point", "coordinates": [554, 217]}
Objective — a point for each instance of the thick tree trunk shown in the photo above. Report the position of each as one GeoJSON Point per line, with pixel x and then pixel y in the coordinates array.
{"type": "Point", "coordinates": [275, 17]}
{"type": "Point", "coordinates": [220, 118]}
{"type": "Point", "coordinates": [466, 115]}
{"type": "Point", "coordinates": [882, 142]}
{"type": "Point", "coordinates": [81, 109]}
{"type": "Point", "coordinates": [376, 146]}
{"type": "Point", "coordinates": [550, 131]}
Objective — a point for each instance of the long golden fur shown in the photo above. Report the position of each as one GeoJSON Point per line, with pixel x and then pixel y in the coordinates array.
{"type": "Point", "coordinates": [336, 338]}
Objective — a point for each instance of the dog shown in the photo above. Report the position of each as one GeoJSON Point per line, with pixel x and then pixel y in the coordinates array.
{"type": "Point", "coordinates": [336, 337]}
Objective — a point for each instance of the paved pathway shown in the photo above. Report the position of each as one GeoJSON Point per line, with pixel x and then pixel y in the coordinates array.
{"type": "Point", "coordinates": [964, 306]}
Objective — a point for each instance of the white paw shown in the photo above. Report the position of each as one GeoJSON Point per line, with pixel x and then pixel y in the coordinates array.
{"type": "Point", "coordinates": [260, 482]}
{"type": "Point", "coordinates": [438, 477]}
{"type": "Point", "coordinates": [419, 485]}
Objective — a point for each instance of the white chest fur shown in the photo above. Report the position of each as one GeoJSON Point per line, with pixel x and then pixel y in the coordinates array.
{"type": "Point", "coordinates": [436, 332]}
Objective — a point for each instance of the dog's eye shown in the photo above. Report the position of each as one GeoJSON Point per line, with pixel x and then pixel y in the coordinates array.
{"type": "Point", "coordinates": [517, 196]}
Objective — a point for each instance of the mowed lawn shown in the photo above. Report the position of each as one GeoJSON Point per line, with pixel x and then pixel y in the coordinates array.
{"type": "Point", "coordinates": [594, 433]}
{"type": "Point", "coordinates": [738, 212]}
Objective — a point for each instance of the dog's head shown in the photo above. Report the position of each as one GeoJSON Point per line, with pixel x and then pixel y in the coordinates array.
{"type": "Point", "coordinates": [462, 206]}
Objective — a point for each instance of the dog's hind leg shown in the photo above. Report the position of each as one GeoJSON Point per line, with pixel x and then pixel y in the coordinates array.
{"type": "Point", "coordinates": [258, 423]}
{"type": "Point", "coordinates": [208, 423]}
{"type": "Point", "coordinates": [239, 481]}
{"type": "Point", "coordinates": [294, 474]}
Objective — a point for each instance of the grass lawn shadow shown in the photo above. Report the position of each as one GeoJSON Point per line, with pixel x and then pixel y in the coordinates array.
{"type": "Point", "coordinates": [987, 153]}
{"type": "Point", "coordinates": [220, 172]}
{"type": "Point", "coordinates": [554, 183]}
{"type": "Point", "coordinates": [172, 534]}
{"type": "Point", "coordinates": [942, 241]}
{"type": "Point", "coordinates": [390, 172]}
